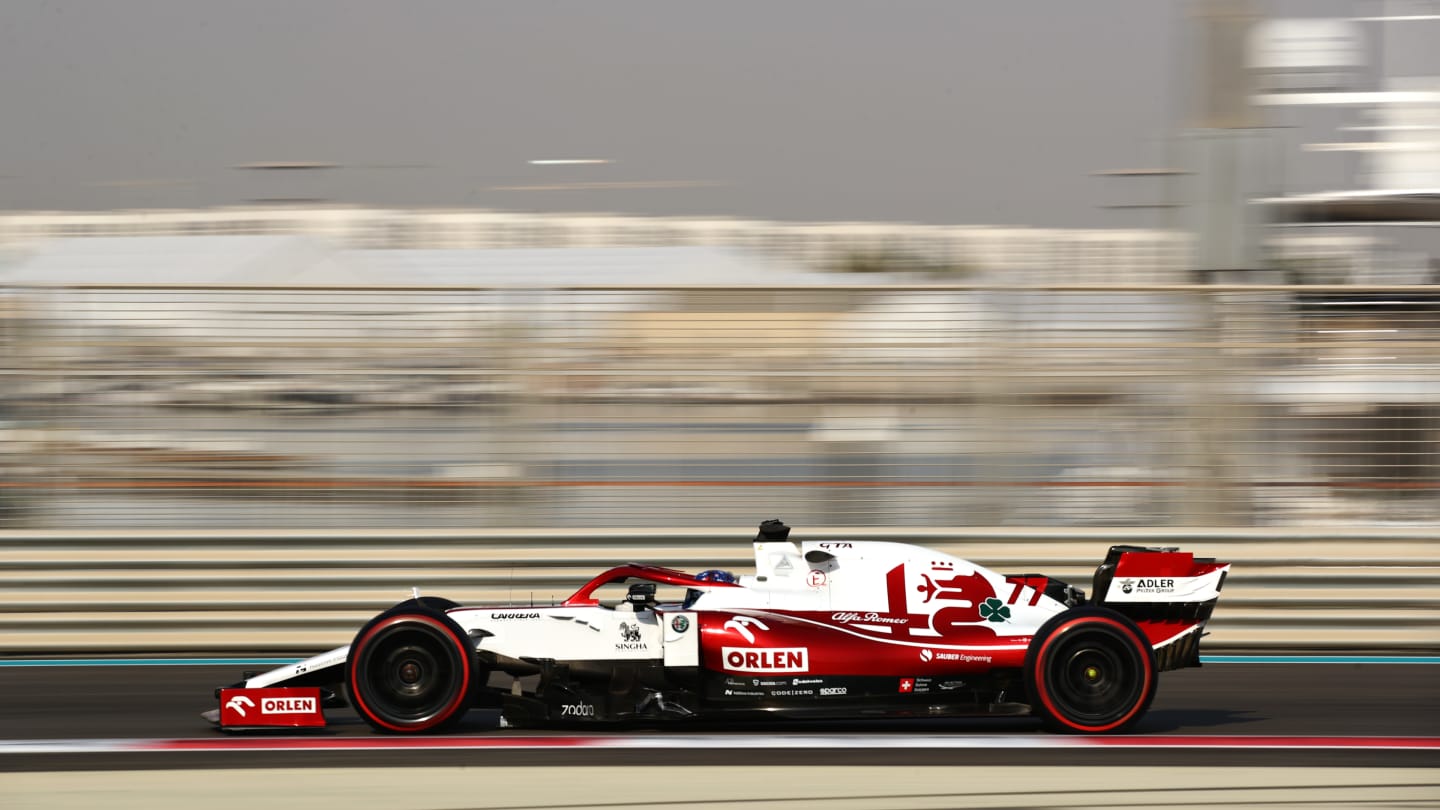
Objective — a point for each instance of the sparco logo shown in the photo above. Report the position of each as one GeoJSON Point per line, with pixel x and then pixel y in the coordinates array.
{"type": "Point", "coordinates": [514, 615]}
{"type": "Point", "coordinates": [766, 659]}
{"type": "Point", "coordinates": [303, 705]}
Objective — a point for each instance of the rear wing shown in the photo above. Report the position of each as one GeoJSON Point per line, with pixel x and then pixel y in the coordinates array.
{"type": "Point", "coordinates": [1170, 593]}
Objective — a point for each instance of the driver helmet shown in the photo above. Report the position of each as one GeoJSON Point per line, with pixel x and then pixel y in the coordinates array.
{"type": "Point", "coordinates": [715, 575]}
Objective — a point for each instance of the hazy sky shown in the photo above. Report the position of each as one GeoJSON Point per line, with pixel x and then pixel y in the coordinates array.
{"type": "Point", "coordinates": [951, 111]}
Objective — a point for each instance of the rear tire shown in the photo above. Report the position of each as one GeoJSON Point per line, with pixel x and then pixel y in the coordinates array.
{"type": "Point", "coordinates": [410, 670]}
{"type": "Point", "coordinates": [1090, 671]}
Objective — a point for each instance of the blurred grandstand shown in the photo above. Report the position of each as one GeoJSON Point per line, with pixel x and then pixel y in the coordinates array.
{"type": "Point", "coordinates": [289, 367]}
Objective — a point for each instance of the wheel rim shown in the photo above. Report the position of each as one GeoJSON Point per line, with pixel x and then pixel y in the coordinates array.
{"type": "Point", "coordinates": [1095, 676]}
{"type": "Point", "coordinates": [410, 673]}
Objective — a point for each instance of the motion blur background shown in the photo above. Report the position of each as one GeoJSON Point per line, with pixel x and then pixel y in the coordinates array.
{"type": "Point", "coordinates": [501, 267]}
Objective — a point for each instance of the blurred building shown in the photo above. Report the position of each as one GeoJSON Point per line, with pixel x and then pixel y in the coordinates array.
{"type": "Point", "coordinates": [324, 370]}
{"type": "Point", "coordinates": [1023, 254]}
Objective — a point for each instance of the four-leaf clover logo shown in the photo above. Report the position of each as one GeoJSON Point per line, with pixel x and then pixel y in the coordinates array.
{"type": "Point", "coordinates": [994, 610]}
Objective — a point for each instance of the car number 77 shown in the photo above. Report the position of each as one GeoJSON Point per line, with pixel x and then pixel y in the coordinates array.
{"type": "Point", "coordinates": [1038, 583]}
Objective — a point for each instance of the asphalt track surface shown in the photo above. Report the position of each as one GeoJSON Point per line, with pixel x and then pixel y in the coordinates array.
{"type": "Point", "coordinates": [1256, 702]}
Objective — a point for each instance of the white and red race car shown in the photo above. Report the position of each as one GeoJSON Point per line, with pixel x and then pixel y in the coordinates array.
{"type": "Point", "coordinates": [821, 629]}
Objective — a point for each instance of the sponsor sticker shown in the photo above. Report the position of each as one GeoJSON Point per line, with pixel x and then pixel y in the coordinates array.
{"type": "Point", "coordinates": [1153, 589]}
{"type": "Point", "coordinates": [1144, 585]}
{"type": "Point", "coordinates": [287, 707]}
{"type": "Point", "coordinates": [240, 704]}
{"type": "Point", "coordinates": [508, 616]}
{"type": "Point", "coordinates": [746, 627]}
{"type": "Point", "coordinates": [816, 578]}
{"type": "Point", "coordinates": [630, 638]}
{"type": "Point", "coordinates": [766, 659]}
{"type": "Point", "coordinates": [867, 618]}
{"type": "Point", "coordinates": [967, 658]}
{"type": "Point", "coordinates": [680, 624]}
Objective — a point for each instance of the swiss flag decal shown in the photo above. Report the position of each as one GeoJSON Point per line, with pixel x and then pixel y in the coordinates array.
{"type": "Point", "coordinates": [907, 685]}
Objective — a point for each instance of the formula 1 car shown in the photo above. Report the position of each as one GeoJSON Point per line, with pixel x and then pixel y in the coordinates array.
{"type": "Point", "coordinates": [821, 629]}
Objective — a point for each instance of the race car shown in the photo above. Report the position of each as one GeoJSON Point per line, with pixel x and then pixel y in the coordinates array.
{"type": "Point", "coordinates": [823, 628]}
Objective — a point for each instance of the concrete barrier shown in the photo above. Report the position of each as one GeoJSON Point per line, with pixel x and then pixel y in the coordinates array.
{"type": "Point", "coordinates": [1374, 589]}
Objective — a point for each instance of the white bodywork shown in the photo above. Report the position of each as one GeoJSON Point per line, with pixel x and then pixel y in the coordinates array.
{"type": "Point", "coordinates": [847, 581]}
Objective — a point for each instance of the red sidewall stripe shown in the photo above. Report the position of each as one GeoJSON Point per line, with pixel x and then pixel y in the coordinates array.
{"type": "Point", "coordinates": [1040, 672]}
{"type": "Point", "coordinates": [441, 715]}
{"type": "Point", "coordinates": [1195, 741]}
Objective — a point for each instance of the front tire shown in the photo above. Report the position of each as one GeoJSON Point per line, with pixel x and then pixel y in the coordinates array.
{"type": "Point", "coordinates": [410, 670]}
{"type": "Point", "coordinates": [1090, 671]}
